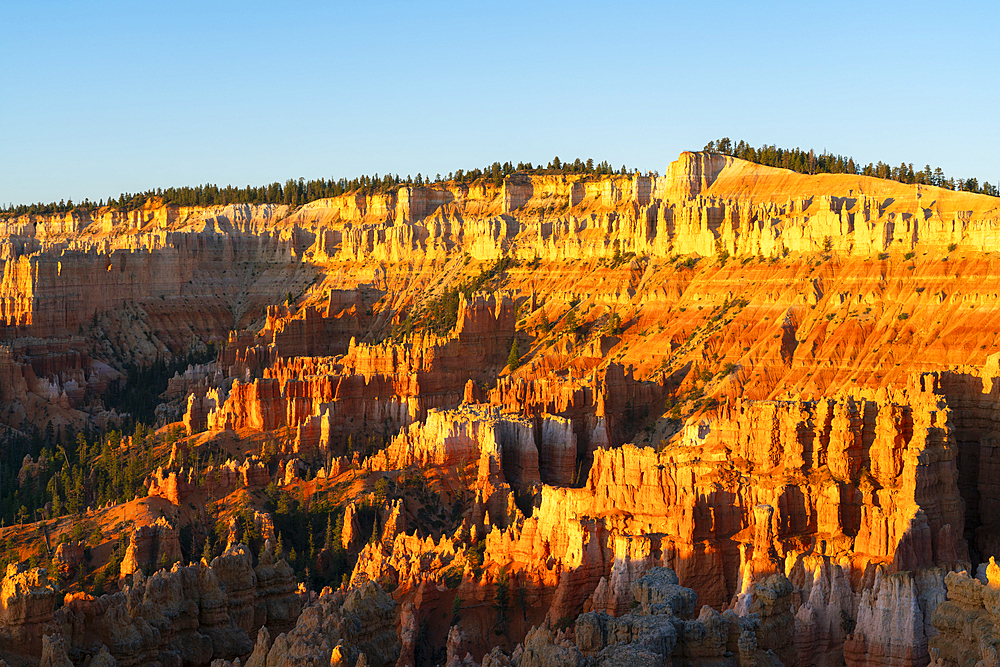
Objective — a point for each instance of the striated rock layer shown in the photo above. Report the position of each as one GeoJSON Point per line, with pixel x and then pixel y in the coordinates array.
{"type": "Point", "coordinates": [355, 265]}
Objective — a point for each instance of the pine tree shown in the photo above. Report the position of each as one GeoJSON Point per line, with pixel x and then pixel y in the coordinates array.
{"type": "Point", "coordinates": [569, 322]}
{"type": "Point", "coordinates": [514, 358]}
{"type": "Point", "coordinates": [543, 323]}
{"type": "Point", "coordinates": [338, 531]}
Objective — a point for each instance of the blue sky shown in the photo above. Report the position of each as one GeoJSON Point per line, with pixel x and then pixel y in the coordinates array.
{"type": "Point", "coordinates": [97, 98]}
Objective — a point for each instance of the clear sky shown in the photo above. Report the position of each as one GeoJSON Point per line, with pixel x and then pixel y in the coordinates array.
{"type": "Point", "coordinates": [97, 98]}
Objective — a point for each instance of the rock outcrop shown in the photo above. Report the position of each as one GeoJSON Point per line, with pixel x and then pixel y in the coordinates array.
{"type": "Point", "coordinates": [27, 602]}
{"type": "Point", "coordinates": [968, 622]}
{"type": "Point", "coordinates": [662, 628]}
{"type": "Point", "coordinates": [385, 383]}
{"type": "Point", "coordinates": [54, 652]}
{"type": "Point", "coordinates": [188, 615]}
{"type": "Point", "coordinates": [680, 504]}
{"type": "Point", "coordinates": [151, 547]}
{"type": "Point", "coordinates": [852, 519]}
{"type": "Point", "coordinates": [352, 628]}
{"type": "Point", "coordinates": [68, 557]}
{"type": "Point", "coordinates": [496, 442]}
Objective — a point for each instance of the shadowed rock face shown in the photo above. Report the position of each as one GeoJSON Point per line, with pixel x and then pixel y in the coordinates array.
{"type": "Point", "coordinates": [662, 627]}
{"type": "Point", "coordinates": [183, 616]}
{"type": "Point", "coordinates": [352, 628]}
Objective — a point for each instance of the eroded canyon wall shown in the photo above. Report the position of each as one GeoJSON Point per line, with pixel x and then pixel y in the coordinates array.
{"type": "Point", "coordinates": [782, 387]}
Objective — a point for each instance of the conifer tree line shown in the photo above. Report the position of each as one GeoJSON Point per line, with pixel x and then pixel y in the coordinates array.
{"type": "Point", "coordinates": [298, 192]}
{"type": "Point", "coordinates": [808, 162]}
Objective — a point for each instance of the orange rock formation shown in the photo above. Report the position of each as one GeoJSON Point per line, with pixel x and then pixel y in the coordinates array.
{"type": "Point", "coordinates": [785, 388]}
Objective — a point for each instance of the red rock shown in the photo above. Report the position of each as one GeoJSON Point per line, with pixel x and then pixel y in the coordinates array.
{"type": "Point", "coordinates": [804, 362]}
{"type": "Point", "coordinates": [27, 602]}
{"type": "Point", "coordinates": [151, 547]}
{"type": "Point", "coordinates": [68, 557]}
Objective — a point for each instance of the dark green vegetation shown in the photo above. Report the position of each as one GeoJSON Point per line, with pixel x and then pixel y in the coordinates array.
{"type": "Point", "coordinates": [808, 162]}
{"type": "Point", "coordinates": [440, 314]}
{"type": "Point", "coordinates": [308, 535]}
{"type": "Point", "coordinates": [75, 470]}
{"type": "Point", "coordinates": [514, 358]}
{"type": "Point", "coordinates": [72, 471]}
{"type": "Point", "coordinates": [140, 393]}
{"type": "Point", "coordinates": [299, 192]}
